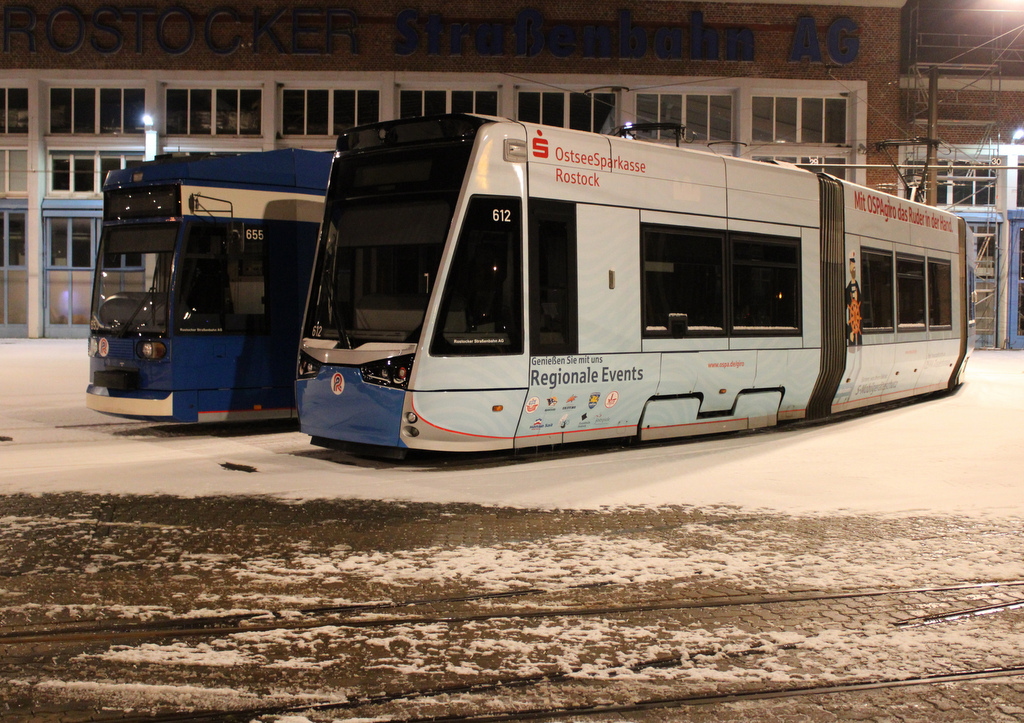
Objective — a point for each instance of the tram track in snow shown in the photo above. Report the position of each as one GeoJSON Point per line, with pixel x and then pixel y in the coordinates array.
{"type": "Point", "coordinates": [667, 703]}
{"type": "Point", "coordinates": [490, 685]}
{"type": "Point", "coordinates": [347, 616]}
{"type": "Point", "coordinates": [559, 711]}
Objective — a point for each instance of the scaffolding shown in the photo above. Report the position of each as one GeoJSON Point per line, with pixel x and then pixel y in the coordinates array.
{"type": "Point", "coordinates": [973, 50]}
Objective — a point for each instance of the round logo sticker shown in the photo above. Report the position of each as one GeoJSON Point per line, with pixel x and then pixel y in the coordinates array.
{"type": "Point", "coordinates": [337, 383]}
{"type": "Point", "coordinates": [532, 404]}
{"type": "Point", "coordinates": [611, 399]}
{"type": "Point", "coordinates": [104, 347]}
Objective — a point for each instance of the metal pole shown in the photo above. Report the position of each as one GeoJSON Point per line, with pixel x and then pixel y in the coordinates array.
{"type": "Point", "coordinates": [932, 162]}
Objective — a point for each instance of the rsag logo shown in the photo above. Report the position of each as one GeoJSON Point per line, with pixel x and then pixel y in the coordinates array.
{"type": "Point", "coordinates": [337, 383]}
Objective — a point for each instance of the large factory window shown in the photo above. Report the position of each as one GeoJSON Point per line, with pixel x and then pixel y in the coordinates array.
{"type": "Point", "coordinates": [13, 270]}
{"type": "Point", "coordinates": [706, 117]}
{"type": "Point", "coordinates": [416, 103]}
{"type": "Point", "coordinates": [13, 110]}
{"type": "Point", "coordinates": [799, 120]}
{"type": "Point", "coordinates": [224, 111]}
{"type": "Point", "coordinates": [355, 108]}
{"type": "Point", "coordinates": [13, 172]}
{"type": "Point", "coordinates": [579, 111]}
{"type": "Point", "coordinates": [97, 110]}
{"type": "Point", "coordinates": [70, 251]}
{"type": "Point", "coordinates": [324, 112]}
{"type": "Point", "coordinates": [83, 172]}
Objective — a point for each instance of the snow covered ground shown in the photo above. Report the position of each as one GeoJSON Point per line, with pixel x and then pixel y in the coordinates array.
{"type": "Point", "coordinates": [928, 494]}
{"type": "Point", "coordinates": [958, 455]}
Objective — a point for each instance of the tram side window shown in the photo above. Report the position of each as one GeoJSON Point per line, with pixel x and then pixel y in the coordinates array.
{"type": "Point", "coordinates": [683, 282]}
{"type": "Point", "coordinates": [553, 305]}
{"type": "Point", "coordinates": [481, 311]}
{"type": "Point", "coordinates": [222, 285]}
{"type": "Point", "coordinates": [910, 293]}
{"type": "Point", "coordinates": [940, 294]}
{"type": "Point", "coordinates": [876, 291]}
{"type": "Point", "coordinates": [765, 285]}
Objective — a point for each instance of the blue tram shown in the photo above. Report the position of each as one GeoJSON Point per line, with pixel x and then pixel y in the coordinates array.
{"type": "Point", "coordinates": [199, 285]}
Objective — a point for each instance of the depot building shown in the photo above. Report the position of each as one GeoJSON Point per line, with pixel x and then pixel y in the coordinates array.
{"type": "Point", "coordinates": [87, 88]}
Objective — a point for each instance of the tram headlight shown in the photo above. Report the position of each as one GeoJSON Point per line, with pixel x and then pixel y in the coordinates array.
{"type": "Point", "coordinates": [152, 350]}
{"type": "Point", "coordinates": [94, 346]}
{"type": "Point", "coordinates": [308, 366]}
{"type": "Point", "coordinates": [392, 372]}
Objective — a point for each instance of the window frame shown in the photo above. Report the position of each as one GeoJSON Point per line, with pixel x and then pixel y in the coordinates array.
{"type": "Point", "coordinates": [732, 264]}
{"type": "Point", "coordinates": [903, 278]}
{"type": "Point", "coordinates": [207, 111]}
{"type": "Point", "coordinates": [364, 110]}
{"type": "Point", "coordinates": [937, 301]}
{"type": "Point", "coordinates": [100, 166]}
{"type": "Point", "coordinates": [13, 276]}
{"type": "Point", "coordinates": [433, 101]}
{"type": "Point", "coordinates": [234, 263]}
{"type": "Point", "coordinates": [682, 328]}
{"type": "Point", "coordinates": [794, 266]}
{"type": "Point", "coordinates": [665, 114]}
{"type": "Point", "coordinates": [484, 224]}
{"type": "Point", "coordinates": [551, 231]}
{"type": "Point", "coordinates": [90, 120]}
{"type": "Point", "coordinates": [558, 108]}
{"type": "Point", "coordinates": [7, 109]}
{"type": "Point", "coordinates": [8, 172]}
{"type": "Point", "coordinates": [868, 287]}
{"type": "Point", "coordinates": [346, 108]}
{"type": "Point", "coordinates": [802, 111]}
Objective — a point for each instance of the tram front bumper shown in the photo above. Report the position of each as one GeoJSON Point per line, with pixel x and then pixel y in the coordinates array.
{"type": "Point", "coordinates": [339, 405]}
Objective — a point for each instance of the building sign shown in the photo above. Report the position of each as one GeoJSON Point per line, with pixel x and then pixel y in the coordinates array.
{"type": "Point", "coordinates": [225, 30]}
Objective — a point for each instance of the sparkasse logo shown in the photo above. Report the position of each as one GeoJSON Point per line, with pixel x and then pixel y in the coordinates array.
{"type": "Point", "coordinates": [540, 146]}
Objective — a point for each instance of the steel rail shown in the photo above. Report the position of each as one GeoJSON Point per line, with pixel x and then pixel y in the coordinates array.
{"type": "Point", "coordinates": [192, 627]}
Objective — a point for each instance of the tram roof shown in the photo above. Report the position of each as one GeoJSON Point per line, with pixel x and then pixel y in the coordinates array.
{"type": "Point", "coordinates": [290, 167]}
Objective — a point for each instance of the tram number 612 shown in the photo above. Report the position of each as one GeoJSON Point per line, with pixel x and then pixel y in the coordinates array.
{"type": "Point", "coordinates": [501, 215]}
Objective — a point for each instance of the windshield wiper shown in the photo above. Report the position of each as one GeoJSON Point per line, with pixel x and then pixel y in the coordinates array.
{"type": "Point", "coordinates": [148, 296]}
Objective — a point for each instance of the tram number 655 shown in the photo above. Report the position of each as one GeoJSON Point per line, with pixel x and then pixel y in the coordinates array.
{"type": "Point", "coordinates": [253, 234]}
{"type": "Point", "coordinates": [501, 215]}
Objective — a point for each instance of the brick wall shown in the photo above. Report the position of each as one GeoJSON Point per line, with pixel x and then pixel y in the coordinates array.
{"type": "Point", "coordinates": [365, 36]}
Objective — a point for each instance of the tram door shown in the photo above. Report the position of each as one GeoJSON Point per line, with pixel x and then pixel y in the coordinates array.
{"type": "Point", "coordinates": [553, 294]}
{"type": "Point", "coordinates": [1015, 298]}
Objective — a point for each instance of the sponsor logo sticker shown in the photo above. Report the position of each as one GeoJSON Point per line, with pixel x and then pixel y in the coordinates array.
{"type": "Point", "coordinates": [540, 146]}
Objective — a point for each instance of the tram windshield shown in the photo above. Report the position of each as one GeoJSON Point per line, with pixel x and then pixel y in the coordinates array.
{"type": "Point", "coordinates": [388, 216]}
{"type": "Point", "coordinates": [133, 278]}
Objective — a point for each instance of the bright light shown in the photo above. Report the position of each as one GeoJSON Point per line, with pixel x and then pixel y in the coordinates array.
{"type": "Point", "coordinates": [151, 141]}
{"type": "Point", "coordinates": [1018, 134]}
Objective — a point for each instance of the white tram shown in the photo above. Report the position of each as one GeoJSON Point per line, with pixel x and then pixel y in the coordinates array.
{"type": "Point", "coordinates": [485, 284]}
